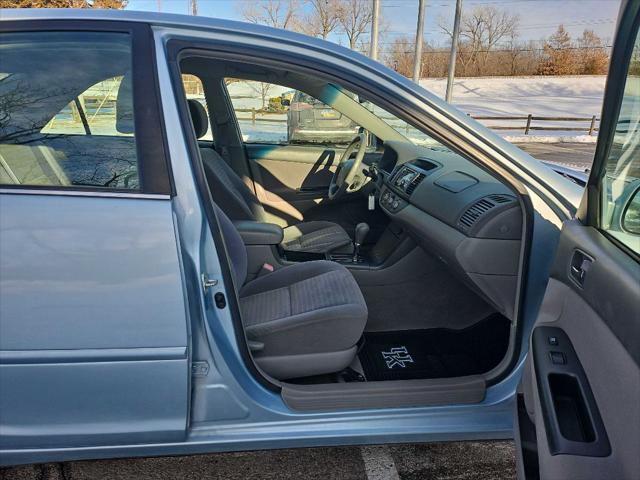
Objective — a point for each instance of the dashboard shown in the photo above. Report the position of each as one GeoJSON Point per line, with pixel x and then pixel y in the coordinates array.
{"type": "Point", "coordinates": [457, 212]}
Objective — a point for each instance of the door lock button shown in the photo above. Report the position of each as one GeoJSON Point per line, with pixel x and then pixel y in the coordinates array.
{"type": "Point", "coordinates": [553, 341]}
{"type": "Point", "coordinates": [558, 358]}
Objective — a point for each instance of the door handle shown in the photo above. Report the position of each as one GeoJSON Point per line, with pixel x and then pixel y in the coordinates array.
{"type": "Point", "coordinates": [580, 265]}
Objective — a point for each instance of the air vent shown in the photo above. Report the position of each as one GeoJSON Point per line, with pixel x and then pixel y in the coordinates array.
{"type": "Point", "coordinates": [401, 171]}
{"type": "Point", "coordinates": [480, 208]}
{"type": "Point", "coordinates": [474, 212]}
{"type": "Point", "coordinates": [497, 198]}
{"type": "Point", "coordinates": [414, 183]}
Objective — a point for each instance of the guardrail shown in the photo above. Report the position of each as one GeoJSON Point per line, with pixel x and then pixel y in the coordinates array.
{"type": "Point", "coordinates": [531, 118]}
{"type": "Point", "coordinates": [255, 112]}
{"type": "Point", "coordinates": [258, 115]}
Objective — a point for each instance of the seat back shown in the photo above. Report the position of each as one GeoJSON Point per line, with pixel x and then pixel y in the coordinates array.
{"type": "Point", "coordinates": [235, 247]}
{"type": "Point", "coordinates": [227, 189]}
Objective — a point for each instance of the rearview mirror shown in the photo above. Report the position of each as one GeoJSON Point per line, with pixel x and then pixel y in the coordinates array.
{"type": "Point", "coordinates": [631, 216]}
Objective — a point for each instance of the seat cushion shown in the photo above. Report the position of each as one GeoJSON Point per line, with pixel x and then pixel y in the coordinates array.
{"type": "Point", "coordinates": [319, 237]}
{"type": "Point", "coordinates": [302, 310]}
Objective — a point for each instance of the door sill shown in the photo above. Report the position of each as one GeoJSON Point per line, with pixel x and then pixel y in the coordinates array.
{"type": "Point", "coordinates": [384, 394]}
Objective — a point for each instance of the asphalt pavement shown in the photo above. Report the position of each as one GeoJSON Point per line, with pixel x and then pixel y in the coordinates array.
{"type": "Point", "coordinates": [575, 155]}
{"type": "Point", "coordinates": [439, 461]}
{"type": "Point", "coordinates": [451, 461]}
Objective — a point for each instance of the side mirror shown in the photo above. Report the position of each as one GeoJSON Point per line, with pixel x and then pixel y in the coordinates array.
{"type": "Point", "coordinates": [631, 215]}
{"type": "Point", "coordinates": [285, 102]}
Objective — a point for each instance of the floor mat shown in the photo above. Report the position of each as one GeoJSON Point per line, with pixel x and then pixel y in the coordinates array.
{"type": "Point", "coordinates": [435, 352]}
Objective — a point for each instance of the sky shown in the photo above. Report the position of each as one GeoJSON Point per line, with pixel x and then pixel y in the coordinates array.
{"type": "Point", "coordinates": [538, 18]}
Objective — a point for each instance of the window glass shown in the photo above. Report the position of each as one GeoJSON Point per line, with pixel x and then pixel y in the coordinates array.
{"type": "Point", "coordinates": [402, 127]}
{"type": "Point", "coordinates": [195, 91]}
{"type": "Point", "coordinates": [66, 110]}
{"type": "Point", "coordinates": [269, 113]}
{"type": "Point", "coordinates": [97, 105]}
{"type": "Point", "coordinates": [620, 183]}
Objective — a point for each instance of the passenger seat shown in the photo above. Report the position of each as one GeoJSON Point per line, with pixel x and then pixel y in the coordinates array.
{"type": "Point", "coordinates": [303, 319]}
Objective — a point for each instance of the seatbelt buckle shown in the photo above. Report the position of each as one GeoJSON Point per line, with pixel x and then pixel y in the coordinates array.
{"type": "Point", "coordinates": [266, 269]}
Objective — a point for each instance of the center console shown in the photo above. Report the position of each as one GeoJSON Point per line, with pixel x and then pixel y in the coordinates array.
{"type": "Point", "coordinates": [343, 258]}
{"type": "Point", "coordinates": [264, 250]}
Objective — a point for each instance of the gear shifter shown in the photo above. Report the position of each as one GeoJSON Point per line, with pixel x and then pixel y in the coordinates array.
{"type": "Point", "coordinates": [362, 229]}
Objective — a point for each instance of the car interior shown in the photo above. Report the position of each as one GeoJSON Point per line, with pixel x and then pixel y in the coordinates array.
{"type": "Point", "coordinates": [380, 259]}
{"type": "Point", "coordinates": [363, 251]}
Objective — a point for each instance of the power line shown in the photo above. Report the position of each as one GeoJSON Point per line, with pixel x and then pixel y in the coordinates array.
{"type": "Point", "coordinates": [504, 50]}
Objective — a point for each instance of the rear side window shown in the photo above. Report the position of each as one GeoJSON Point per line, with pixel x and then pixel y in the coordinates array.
{"type": "Point", "coordinates": [66, 110]}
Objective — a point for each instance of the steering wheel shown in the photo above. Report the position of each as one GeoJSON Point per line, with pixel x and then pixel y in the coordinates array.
{"type": "Point", "coordinates": [346, 178]}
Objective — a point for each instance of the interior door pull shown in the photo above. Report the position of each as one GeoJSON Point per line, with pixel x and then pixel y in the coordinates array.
{"type": "Point", "coordinates": [580, 265]}
{"type": "Point", "coordinates": [572, 420]}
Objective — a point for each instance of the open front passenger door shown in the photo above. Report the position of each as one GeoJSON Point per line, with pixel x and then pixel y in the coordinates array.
{"type": "Point", "coordinates": [578, 412]}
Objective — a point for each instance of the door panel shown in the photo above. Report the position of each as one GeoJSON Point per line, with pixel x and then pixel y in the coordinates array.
{"type": "Point", "coordinates": [293, 173]}
{"type": "Point", "coordinates": [292, 183]}
{"type": "Point", "coordinates": [93, 348]}
{"type": "Point", "coordinates": [601, 323]}
{"type": "Point", "coordinates": [578, 415]}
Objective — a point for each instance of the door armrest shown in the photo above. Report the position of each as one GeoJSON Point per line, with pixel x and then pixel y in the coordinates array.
{"type": "Point", "coordinates": [259, 233]}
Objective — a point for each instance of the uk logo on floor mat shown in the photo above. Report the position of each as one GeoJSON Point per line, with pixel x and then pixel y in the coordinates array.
{"type": "Point", "coordinates": [397, 356]}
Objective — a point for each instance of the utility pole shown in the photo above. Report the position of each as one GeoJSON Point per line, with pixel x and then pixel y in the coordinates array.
{"type": "Point", "coordinates": [159, 5]}
{"type": "Point", "coordinates": [194, 7]}
{"type": "Point", "coordinates": [373, 47]}
{"type": "Point", "coordinates": [417, 61]}
{"type": "Point", "coordinates": [454, 51]}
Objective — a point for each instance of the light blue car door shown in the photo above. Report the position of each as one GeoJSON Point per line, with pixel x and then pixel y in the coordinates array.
{"type": "Point", "coordinates": [578, 411]}
{"type": "Point", "coordinates": [93, 324]}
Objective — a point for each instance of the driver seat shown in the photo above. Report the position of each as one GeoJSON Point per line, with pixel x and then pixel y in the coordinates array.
{"type": "Point", "coordinates": [237, 200]}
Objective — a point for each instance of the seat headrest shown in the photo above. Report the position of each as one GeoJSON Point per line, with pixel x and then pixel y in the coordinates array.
{"type": "Point", "coordinates": [198, 117]}
{"type": "Point", "coordinates": [124, 105]}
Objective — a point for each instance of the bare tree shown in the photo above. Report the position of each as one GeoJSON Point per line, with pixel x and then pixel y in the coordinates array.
{"type": "Point", "coordinates": [514, 52]}
{"type": "Point", "coordinates": [117, 4]}
{"type": "Point", "coordinates": [634, 66]}
{"type": "Point", "coordinates": [559, 55]}
{"type": "Point", "coordinates": [593, 55]}
{"type": "Point", "coordinates": [262, 89]}
{"type": "Point", "coordinates": [364, 43]}
{"type": "Point", "coordinates": [481, 31]}
{"type": "Point", "coordinates": [400, 58]}
{"type": "Point", "coordinates": [354, 18]}
{"type": "Point", "coordinates": [323, 18]}
{"type": "Point", "coordinates": [274, 13]}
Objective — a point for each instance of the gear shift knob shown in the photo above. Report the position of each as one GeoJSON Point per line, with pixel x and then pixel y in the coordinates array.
{"type": "Point", "coordinates": [362, 229]}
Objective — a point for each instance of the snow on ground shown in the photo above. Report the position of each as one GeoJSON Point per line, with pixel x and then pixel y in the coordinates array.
{"type": "Point", "coordinates": [576, 96]}
{"type": "Point", "coordinates": [567, 96]}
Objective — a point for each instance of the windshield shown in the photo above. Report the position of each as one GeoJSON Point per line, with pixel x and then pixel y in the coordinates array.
{"type": "Point", "coordinates": [403, 128]}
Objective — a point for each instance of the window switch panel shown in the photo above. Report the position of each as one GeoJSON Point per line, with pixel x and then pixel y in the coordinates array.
{"type": "Point", "coordinates": [558, 358]}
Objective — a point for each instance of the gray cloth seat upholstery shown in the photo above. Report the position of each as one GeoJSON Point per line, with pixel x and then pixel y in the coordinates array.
{"type": "Point", "coordinates": [303, 319]}
{"type": "Point", "coordinates": [240, 203]}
